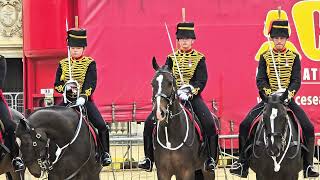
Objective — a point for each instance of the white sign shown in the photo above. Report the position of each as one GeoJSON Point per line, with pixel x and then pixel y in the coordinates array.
{"type": "Point", "coordinates": [47, 91]}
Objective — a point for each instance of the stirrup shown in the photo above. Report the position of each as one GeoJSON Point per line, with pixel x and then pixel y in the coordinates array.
{"type": "Point", "coordinates": [306, 172]}
{"type": "Point", "coordinates": [212, 163]}
{"type": "Point", "coordinates": [236, 166]}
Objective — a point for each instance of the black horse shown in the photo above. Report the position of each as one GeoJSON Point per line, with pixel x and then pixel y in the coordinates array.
{"type": "Point", "coordinates": [178, 150]}
{"type": "Point", "coordinates": [58, 141]}
{"type": "Point", "coordinates": [6, 159]}
{"type": "Point", "coordinates": [276, 147]}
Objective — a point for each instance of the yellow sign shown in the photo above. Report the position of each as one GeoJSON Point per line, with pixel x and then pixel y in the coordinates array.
{"type": "Point", "coordinates": [304, 13]}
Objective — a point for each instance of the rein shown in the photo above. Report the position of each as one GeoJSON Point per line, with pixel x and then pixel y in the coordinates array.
{"type": "Point", "coordinates": [168, 144]}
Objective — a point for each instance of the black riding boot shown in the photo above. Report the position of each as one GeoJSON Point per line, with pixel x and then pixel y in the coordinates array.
{"type": "Point", "coordinates": [210, 164]}
{"type": "Point", "coordinates": [17, 162]}
{"type": "Point", "coordinates": [147, 162]}
{"type": "Point", "coordinates": [241, 167]}
{"type": "Point", "coordinates": [105, 156]}
{"type": "Point", "coordinates": [308, 160]}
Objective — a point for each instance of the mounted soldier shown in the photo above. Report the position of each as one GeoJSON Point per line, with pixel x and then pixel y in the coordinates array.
{"type": "Point", "coordinates": [190, 83]}
{"type": "Point", "coordinates": [279, 71]}
{"type": "Point", "coordinates": [76, 79]}
{"type": "Point", "coordinates": [7, 120]}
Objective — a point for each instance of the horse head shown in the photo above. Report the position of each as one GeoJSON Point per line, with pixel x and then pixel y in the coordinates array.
{"type": "Point", "coordinates": [275, 121]}
{"type": "Point", "coordinates": [163, 92]}
{"type": "Point", "coordinates": [33, 143]}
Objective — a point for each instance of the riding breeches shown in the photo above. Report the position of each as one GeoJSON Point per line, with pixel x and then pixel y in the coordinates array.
{"type": "Point", "coordinates": [204, 115]}
{"type": "Point", "coordinates": [149, 125]}
{"type": "Point", "coordinates": [9, 126]}
{"type": "Point", "coordinates": [94, 116]}
{"type": "Point", "coordinates": [306, 125]}
{"type": "Point", "coordinates": [251, 116]}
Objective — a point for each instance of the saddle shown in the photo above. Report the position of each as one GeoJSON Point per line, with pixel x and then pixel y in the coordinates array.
{"type": "Point", "coordinates": [192, 117]}
{"type": "Point", "coordinates": [93, 132]}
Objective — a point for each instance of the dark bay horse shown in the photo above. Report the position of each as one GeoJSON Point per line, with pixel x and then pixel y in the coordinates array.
{"type": "Point", "coordinates": [178, 150]}
{"type": "Point", "coordinates": [6, 159]}
{"type": "Point", "coordinates": [276, 149]}
{"type": "Point", "coordinates": [56, 141]}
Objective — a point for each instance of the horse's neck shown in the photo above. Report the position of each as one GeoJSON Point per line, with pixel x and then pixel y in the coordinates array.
{"type": "Point", "coordinates": [58, 130]}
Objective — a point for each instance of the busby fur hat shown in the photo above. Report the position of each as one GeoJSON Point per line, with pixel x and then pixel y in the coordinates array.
{"type": "Point", "coordinates": [185, 30]}
{"type": "Point", "coordinates": [77, 38]}
{"type": "Point", "coordinates": [276, 24]}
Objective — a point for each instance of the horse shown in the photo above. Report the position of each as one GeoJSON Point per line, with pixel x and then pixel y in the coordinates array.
{"type": "Point", "coordinates": [6, 159]}
{"type": "Point", "coordinates": [56, 140]}
{"type": "Point", "coordinates": [276, 146]}
{"type": "Point", "coordinates": [177, 148]}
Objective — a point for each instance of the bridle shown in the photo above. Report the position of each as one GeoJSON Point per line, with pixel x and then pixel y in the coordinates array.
{"type": "Point", "coordinates": [282, 134]}
{"type": "Point", "coordinates": [284, 145]}
{"type": "Point", "coordinates": [169, 98]}
{"type": "Point", "coordinates": [42, 153]}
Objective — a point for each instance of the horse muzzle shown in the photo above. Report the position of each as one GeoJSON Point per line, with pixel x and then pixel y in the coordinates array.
{"type": "Point", "coordinates": [34, 169]}
{"type": "Point", "coordinates": [274, 150]}
{"type": "Point", "coordinates": [162, 114]}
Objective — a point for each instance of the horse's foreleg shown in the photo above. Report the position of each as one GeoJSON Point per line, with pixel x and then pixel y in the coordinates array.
{"type": "Point", "coordinates": [12, 175]}
{"type": "Point", "coordinates": [198, 175]}
{"type": "Point", "coordinates": [186, 175]}
{"type": "Point", "coordinates": [163, 175]}
{"type": "Point", "coordinates": [207, 175]}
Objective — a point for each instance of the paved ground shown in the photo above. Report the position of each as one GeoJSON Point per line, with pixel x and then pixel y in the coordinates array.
{"type": "Point", "coordinates": [141, 175]}
{"type": "Point", "coordinates": [121, 152]}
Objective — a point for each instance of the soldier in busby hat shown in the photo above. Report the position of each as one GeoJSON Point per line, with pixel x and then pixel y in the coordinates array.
{"type": "Point", "coordinates": [81, 85]}
{"type": "Point", "coordinates": [192, 65]}
{"type": "Point", "coordinates": [288, 63]}
{"type": "Point", "coordinates": [9, 124]}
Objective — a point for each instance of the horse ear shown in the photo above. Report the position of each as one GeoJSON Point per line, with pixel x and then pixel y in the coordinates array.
{"type": "Point", "coordinates": [155, 64]}
{"type": "Point", "coordinates": [24, 123]}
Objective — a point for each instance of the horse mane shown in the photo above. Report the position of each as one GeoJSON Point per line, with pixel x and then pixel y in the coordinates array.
{"type": "Point", "coordinates": [59, 109]}
{"type": "Point", "coordinates": [55, 108]}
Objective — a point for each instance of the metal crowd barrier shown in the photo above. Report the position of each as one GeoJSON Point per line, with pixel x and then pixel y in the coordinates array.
{"type": "Point", "coordinates": [15, 100]}
{"type": "Point", "coordinates": [127, 150]}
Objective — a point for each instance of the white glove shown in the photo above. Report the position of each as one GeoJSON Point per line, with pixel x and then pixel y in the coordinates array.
{"type": "Point", "coordinates": [183, 96]}
{"type": "Point", "coordinates": [187, 89]}
{"type": "Point", "coordinates": [80, 101]}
